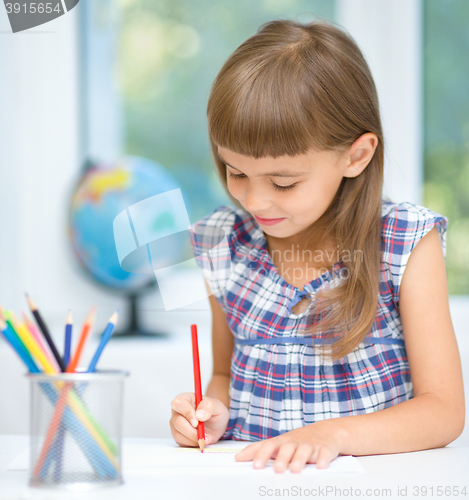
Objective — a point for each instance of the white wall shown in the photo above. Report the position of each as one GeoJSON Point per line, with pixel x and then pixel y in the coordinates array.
{"type": "Point", "coordinates": [39, 162]}
{"type": "Point", "coordinates": [389, 34]}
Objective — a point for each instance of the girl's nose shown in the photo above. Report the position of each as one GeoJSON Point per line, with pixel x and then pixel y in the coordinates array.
{"type": "Point", "coordinates": [255, 200]}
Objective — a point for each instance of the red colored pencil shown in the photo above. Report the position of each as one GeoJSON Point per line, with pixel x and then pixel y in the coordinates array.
{"type": "Point", "coordinates": [198, 386]}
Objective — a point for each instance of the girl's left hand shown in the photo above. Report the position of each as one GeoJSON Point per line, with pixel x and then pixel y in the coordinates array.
{"type": "Point", "coordinates": [313, 443]}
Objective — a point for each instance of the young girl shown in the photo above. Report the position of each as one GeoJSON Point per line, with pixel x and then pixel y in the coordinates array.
{"type": "Point", "coordinates": [331, 325]}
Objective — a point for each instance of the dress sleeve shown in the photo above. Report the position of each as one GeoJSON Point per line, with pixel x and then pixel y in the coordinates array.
{"type": "Point", "coordinates": [211, 241]}
{"type": "Point", "coordinates": [404, 226]}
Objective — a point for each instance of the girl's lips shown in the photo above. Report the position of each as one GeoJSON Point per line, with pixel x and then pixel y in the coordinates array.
{"type": "Point", "coordinates": [268, 222]}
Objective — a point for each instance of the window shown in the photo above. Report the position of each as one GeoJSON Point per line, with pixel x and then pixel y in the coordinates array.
{"type": "Point", "coordinates": [148, 71]}
{"type": "Point", "coordinates": [446, 128]}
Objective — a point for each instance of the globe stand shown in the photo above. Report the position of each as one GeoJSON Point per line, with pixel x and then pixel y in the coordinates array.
{"type": "Point", "coordinates": [134, 328]}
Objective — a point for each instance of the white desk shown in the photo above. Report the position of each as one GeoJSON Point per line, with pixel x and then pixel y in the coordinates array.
{"type": "Point", "coordinates": [390, 474]}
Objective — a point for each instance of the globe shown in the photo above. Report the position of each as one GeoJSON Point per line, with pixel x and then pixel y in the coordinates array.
{"type": "Point", "coordinates": [102, 192]}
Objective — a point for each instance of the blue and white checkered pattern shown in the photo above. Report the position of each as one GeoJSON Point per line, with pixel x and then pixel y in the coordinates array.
{"type": "Point", "coordinates": [279, 381]}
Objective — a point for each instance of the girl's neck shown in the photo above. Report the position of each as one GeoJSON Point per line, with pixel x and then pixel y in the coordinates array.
{"type": "Point", "coordinates": [322, 254]}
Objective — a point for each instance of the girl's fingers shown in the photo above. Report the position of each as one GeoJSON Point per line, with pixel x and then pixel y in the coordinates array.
{"type": "Point", "coordinates": [180, 438]}
{"type": "Point", "coordinates": [185, 406]}
{"type": "Point", "coordinates": [264, 453]}
{"type": "Point", "coordinates": [181, 425]}
{"type": "Point", "coordinates": [205, 410]}
{"type": "Point", "coordinates": [304, 452]}
{"type": "Point", "coordinates": [185, 397]}
{"type": "Point", "coordinates": [249, 452]}
{"type": "Point", "coordinates": [325, 456]}
{"type": "Point", "coordinates": [284, 455]}
{"type": "Point", "coordinates": [287, 454]}
{"type": "Point", "coordinates": [211, 408]}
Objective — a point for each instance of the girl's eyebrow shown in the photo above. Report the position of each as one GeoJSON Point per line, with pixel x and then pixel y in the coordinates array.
{"type": "Point", "coordinates": [277, 173]}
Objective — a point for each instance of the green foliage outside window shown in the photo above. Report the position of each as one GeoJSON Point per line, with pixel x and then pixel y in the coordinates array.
{"type": "Point", "coordinates": [168, 54]}
{"type": "Point", "coordinates": [446, 126]}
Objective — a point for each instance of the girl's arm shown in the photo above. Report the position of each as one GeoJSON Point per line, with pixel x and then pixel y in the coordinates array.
{"type": "Point", "coordinates": [222, 349]}
{"type": "Point", "coordinates": [433, 418]}
{"type": "Point", "coordinates": [436, 414]}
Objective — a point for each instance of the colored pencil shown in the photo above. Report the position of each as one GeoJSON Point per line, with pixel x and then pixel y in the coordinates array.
{"type": "Point", "coordinates": [68, 338]}
{"type": "Point", "coordinates": [198, 385]}
{"type": "Point", "coordinates": [40, 340]}
{"type": "Point", "coordinates": [32, 345]}
{"type": "Point", "coordinates": [59, 443]}
{"type": "Point", "coordinates": [81, 342]}
{"type": "Point", "coordinates": [17, 345]}
{"type": "Point", "coordinates": [45, 332]}
{"type": "Point", "coordinates": [104, 340]}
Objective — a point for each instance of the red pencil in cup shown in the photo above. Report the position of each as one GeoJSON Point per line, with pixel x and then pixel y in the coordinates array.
{"type": "Point", "coordinates": [198, 386]}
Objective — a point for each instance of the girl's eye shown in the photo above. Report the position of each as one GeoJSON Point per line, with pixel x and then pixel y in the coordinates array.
{"type": "Point", "coordinates": [234, 176]}
{"type": "Point", "coordinates": [276, 186]}
{"type": "Point", "coordinates": [283, 188]}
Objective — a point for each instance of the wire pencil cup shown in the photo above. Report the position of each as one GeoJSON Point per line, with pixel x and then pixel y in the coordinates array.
{"type": "Point", "coordinates": [76, 429]}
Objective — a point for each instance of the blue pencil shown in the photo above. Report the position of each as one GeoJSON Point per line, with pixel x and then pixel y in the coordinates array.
{"type": "Point", "coordinates": [59, 445]}
{"type": "Point", "coordinates": [68, 338]}
{"type": "Point", "coordinates": [104, 340]}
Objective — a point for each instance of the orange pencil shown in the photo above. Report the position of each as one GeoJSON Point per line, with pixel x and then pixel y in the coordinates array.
{"type": "Point", "coordinates": [198, 386]}
{"type": "Point", "coordinates": [81, 343]}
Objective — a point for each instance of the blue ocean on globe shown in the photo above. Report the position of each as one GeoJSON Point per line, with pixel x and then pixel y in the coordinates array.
{"type": "Point", "coordinates": [102, 193]}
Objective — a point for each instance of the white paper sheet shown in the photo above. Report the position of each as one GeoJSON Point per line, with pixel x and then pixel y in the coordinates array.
{"type": "Point", "coordinates": [216, 459]}
{"type": "Point", "coordinates": [165, 458]}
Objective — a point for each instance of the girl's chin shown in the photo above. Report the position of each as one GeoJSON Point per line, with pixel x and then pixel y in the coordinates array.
{"type": "Point", "coordinates": [278, 232]}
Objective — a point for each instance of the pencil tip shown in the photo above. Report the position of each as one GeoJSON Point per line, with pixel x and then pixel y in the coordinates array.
{"type": "Point", "coordinates": [12, 318]}
{"type": "Point", "coordinates": [31, 304]}
{"type": "Point", "coordinates": [91, 315]}
{"type": "Point", "coordinates": [69, 317]}
{"type": "Point", "coordinates": [201, 445]}
{"type": "Point", "coordinates": [113, 318]}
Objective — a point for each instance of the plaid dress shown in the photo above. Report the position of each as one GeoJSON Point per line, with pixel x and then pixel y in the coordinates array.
{"type": "Point", "coordinates": [278, 380]}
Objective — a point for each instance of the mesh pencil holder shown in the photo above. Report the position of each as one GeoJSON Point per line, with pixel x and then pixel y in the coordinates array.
{"type": "Point", "coordinates": [75, 423]}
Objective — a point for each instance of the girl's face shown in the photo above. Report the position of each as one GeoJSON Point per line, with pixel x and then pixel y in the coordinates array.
{"type": "Point", "coordinates": [295, 189]}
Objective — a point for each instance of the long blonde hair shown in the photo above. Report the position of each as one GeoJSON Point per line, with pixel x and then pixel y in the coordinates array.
{"type": "Point", "coordinates": [290, 88]}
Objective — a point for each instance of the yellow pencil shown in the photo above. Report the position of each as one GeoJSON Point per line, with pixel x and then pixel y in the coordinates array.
{"type": "Point", "coordinates": [31, 344]}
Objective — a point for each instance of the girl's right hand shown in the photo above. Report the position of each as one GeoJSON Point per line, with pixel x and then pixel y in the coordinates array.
{"type": "Point", "coordinates": [184, 419]}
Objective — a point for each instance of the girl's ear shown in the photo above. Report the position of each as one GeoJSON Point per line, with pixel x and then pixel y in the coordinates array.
{"type": "Point", "coordinates": [360, 154]}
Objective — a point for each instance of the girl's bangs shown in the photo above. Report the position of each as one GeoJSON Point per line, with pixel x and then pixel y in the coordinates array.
{"type": "Point", "coordinates": [261, 115]}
